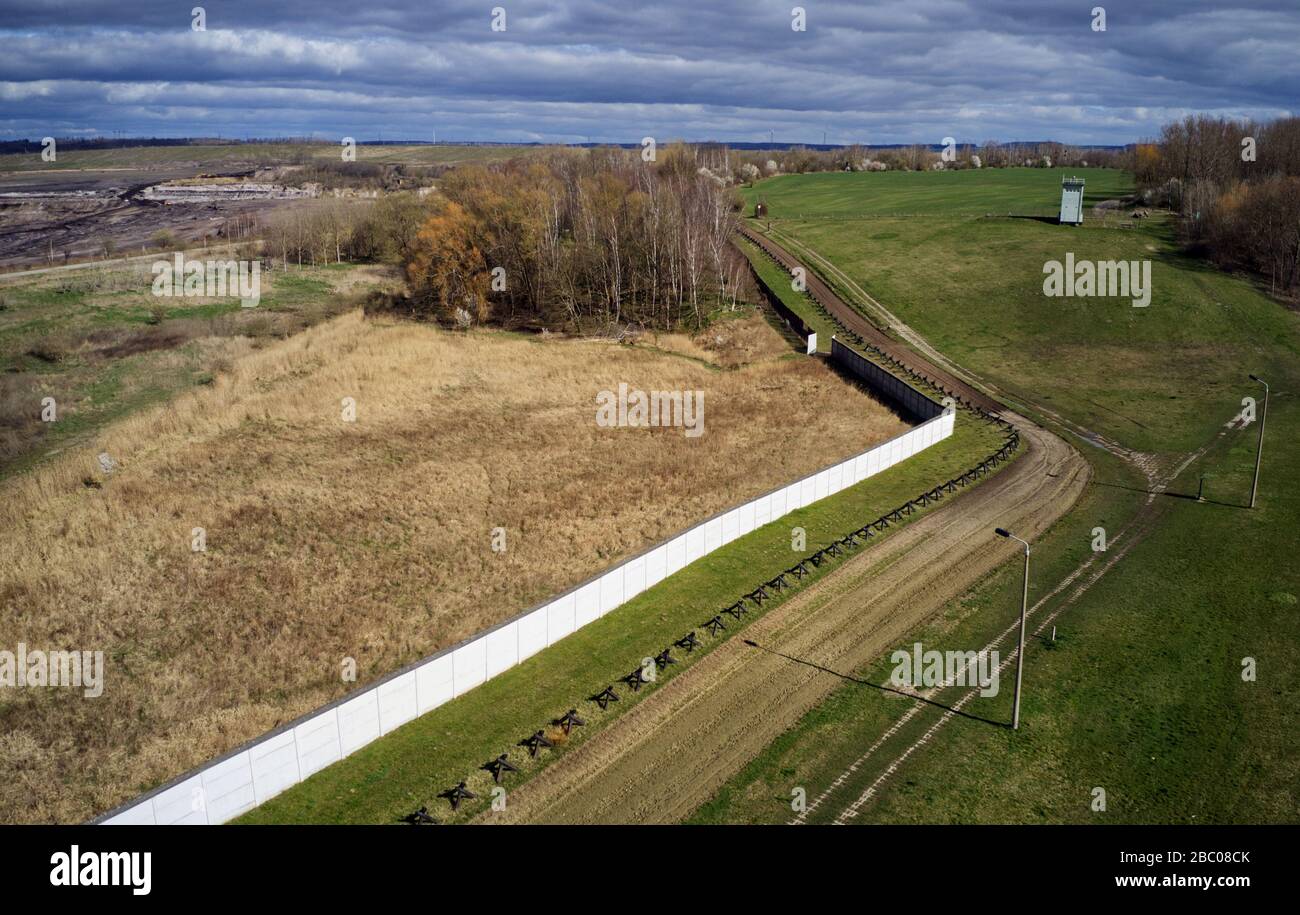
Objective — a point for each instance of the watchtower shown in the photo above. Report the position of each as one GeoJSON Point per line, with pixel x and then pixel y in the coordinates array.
{"type": "Point", "coordinates": [1071, 201]}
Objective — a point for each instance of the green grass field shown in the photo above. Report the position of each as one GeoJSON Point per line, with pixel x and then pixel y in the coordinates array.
{"type": "Point", "coordinates": [974, 287]}
{"type": "Point", "coordinates": [840, 195]}
{"type": "Point", "coordinates": [1142, 695]}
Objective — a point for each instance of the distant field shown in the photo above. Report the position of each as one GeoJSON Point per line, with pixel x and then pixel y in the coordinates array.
{"type": "Point", "coordinates": [98, 342]}
{"type": "Point", "coordinates": [250, 155]}
{"type": "Point", "coordinates": [329, 539]}
{"type": "Point", "coordinates": [1022, 191]}
{"type": "Point", "coordinates": [1142, 695]}
{"type": "Point", "coordinates": [974, 287]}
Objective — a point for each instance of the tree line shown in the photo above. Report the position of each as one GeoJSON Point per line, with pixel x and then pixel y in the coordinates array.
{"type": "Point", "coordinates": [568, 239]}
{"type": "Point", "coordinates": [1236, 186]}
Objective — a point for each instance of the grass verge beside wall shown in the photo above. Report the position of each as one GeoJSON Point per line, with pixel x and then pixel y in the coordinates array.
{"type": "Point", "coordinates": [407, 769]}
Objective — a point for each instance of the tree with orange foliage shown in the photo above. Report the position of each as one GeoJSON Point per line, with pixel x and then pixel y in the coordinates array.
{"type": "Point", "coordinates": [1146, 164]}
{"type": "Point", "coordinates": [447, 271]}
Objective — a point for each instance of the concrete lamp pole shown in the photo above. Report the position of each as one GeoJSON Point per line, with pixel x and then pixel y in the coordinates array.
{"type": "Point", "coordinates": [1024, 609]}
{"type": "Point", "coordinates": [1259, 450]}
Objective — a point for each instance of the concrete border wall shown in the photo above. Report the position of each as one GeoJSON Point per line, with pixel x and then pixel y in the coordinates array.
{"type": "Point", "coordinates": [889, 386]}
{"type": "Point", "coordinates": [247, 776]}
{"type": "Point", "coordinates": [796, 324]}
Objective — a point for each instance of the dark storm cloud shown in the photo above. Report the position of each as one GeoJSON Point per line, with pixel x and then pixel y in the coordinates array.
{"type": "Point", "coordinates": [892, 72]}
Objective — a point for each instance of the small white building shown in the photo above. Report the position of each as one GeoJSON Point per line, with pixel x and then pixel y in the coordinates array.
{"type": "Point", "coordinates": [1071, 201]}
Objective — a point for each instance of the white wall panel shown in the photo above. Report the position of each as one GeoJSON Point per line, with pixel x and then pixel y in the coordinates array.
{"type": "Point", "coordinates": [676, 553]}
{"type": "Point", "coordinates": [468, 666]}
{"type": "Point", "coordinates": [228, 788]}
{"type": "Point", "coordinates": [139, 815]}
{"type": "Point", "coordinates": [358, 721]}
{"type": "Point", "coordinates": [560, 613]}
{"type": "Point", "coordinates": [181, 804]}
{"type": "Point", "coordinates": [586, 604]}
{"type": "Point", "coordinates": [730, 526]}
{"type": "Point", "coordinates": [746, 517]}
{"type": "Point", "coordinates": [434, 683]}
{"type": "Point", "coordinates": [779, 503]}
{"type": "Point", "coordinates": [274, 764]}
{"type": "Point", "coordinates": [532, 632]}
{"type": "Point", "coordinates": [694, 543]}
{"type": "Point", "coordinates": [821, 486]}
{"type": "Point", "coordinates": [634, 578]}
{"type": "Point", "coordinates": [656, 565]}
{"type": "Point", "coordinates": [611, 589]}
{"type": "Point", "coordinates": [318, 742]}
{"type": "Point", "coordinates": [397, 702]}
{"type": "Point", "coordinates": [502, 649]}
{"type": "Point", "coordinates": [712, 536]}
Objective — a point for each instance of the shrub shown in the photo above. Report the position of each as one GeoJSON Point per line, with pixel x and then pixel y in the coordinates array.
{"type": "Point", "coordinates": [164, 239]}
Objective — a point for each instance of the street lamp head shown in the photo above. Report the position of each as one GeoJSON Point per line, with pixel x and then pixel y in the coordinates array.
{"type": "Point", "coordinates": [1254, 378]}
{"type": "Point", "coordinates": [1002, 532]}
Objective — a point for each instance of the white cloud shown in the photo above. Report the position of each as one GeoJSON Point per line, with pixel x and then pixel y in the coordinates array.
{"type": "Point", "coordinates": [887, 72]}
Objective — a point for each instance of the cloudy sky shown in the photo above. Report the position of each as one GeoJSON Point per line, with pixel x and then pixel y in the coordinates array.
{"type": "Point", "coordinates": [576, 70]}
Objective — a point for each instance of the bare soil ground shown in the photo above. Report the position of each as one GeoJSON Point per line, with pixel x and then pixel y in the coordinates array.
{"type": "Point", "coordinates": [70, 216]}
{"type": "Point", "coordinates": [370, 540]}
{"type": "Point", "coordinates": [57, 212]}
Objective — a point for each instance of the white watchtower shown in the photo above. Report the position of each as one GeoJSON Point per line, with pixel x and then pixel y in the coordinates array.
{"type": "Point", "coordinates": [1071, 201]}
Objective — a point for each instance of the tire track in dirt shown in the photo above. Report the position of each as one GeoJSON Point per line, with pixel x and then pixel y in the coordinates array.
{"type": "Point", "coordinates": [1134, 532]}
{"type": "Point", "coordinates": [928, 696]}
{"type": "Point", "coordinates": [673, 750]}
{"type": "Point", "coordinates": [1142, 523]}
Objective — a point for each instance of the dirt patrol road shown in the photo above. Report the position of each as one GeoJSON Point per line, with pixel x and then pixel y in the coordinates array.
{"type": "Point", "coordinates": [669, 754]}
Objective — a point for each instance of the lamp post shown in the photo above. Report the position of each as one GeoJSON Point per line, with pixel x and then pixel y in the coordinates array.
{"type": "Point", "coordinates": [1024, 609]}
{"type": "Point", "coordinates": [1259, 450]}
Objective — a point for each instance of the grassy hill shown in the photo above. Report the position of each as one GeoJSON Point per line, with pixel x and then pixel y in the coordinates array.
{"type": "Point", "coordinates": [974, 287]}
{"type": "Point", "coordinates": [946, 193]}
{"type": "Point", "coordinates": [1142, 694]}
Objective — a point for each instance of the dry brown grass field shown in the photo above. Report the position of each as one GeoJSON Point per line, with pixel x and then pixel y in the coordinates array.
{"type": "Point", "coordinates": [370, 539]}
